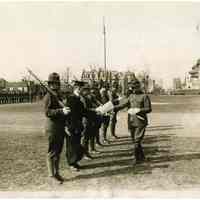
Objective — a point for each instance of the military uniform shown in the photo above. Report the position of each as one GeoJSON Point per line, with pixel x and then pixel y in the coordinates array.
{"type": "Point", "coordinates": [55, 123]}
{"type": "Point", "coordinates": [98, 118]}
{"type": "Point", "coordinates": [105, 117]}
{"type": "Point", "coordinates": [113, 96]}
{"type": "Point", "coordinates": [89, 124]}
{"type": "Point", "coordinates": [94, 121]}
{"type": "Point", "coordinates": [74, 149]}
{"type": "Point", "coordinates": [137, 122]}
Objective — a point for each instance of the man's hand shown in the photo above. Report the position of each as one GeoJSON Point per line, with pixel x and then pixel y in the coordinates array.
{"type": "Point", "coordinates": [133, 111]}
{"type": "Point", "coordinates": [66, 110]}
{"type": "Point", "coordinates": [67, 131]}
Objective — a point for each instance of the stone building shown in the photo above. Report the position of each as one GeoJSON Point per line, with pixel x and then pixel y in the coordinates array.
{"type": "Point", "coordinates": [192, 79]}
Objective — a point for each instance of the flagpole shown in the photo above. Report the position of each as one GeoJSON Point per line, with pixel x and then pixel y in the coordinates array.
{"type": "Point", "coordinates": [104, 34]}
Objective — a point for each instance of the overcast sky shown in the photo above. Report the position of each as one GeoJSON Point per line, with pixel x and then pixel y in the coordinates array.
{"type": "Point", "coordinates": [159, 37]}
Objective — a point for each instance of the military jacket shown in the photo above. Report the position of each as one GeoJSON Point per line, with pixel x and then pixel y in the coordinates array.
{"type": "Point", "coordinates": [113, 96]}
{"type": "Point", "coordinates": [74, 119]}
{"type": "Point", "coordinates": [104, 97]}
{"type": "Point", "coordinates": [89, 113]}
{"type": "Point", "coordinates": [141, 101]}
{"type": "Point", "coordinates": [55, 118]}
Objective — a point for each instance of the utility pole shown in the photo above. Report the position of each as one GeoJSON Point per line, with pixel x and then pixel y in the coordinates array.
{"type": "Point", "coordinates": [104, 34]}
{"type": "Point", "coordinates": [67, 74]}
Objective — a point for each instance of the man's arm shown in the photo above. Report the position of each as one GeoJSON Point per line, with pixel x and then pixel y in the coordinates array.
{"type": "Point", "coordinates": [147, 105]}
{"type": "Point", "coordinates": [122, 105]}
{"type": "Point", "coordinates": [51, 112]}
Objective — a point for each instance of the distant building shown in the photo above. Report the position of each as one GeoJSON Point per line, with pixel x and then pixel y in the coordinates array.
{"type": "Point", "coordinates": [2, 83]}
{"type": "Point", "coordinates": [177, 85]}
{"type": "Point", "coordinates": [17, 86]}
{"type": "Point", "coordinates": [151, 86]}
{"type": "Point", "coordinates": [192, 79]}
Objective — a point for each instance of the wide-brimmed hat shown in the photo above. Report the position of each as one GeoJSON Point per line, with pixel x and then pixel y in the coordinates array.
{"type": "Point", "coordinates": [54, 78]}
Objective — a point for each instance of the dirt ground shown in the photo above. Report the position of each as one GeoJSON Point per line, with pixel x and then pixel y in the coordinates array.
{"type": "Point", "coordinates": [171, 146]}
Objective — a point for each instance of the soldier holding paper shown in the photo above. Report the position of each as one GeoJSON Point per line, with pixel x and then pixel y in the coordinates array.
{"type": "Point", "coordinates": [139, 105]}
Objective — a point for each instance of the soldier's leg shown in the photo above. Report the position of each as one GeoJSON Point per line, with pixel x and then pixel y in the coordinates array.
{"type": "Point", "coordinates": [105, 127]}
{"type": "Point", "coordinates": [98, 126]}
{"type": "Point", "coordinates": [97, 137]}
{"type": "Point", "coordinates": [50, 164]}
{"type": "Point", "coordinates": [94, 132]}
{"type": "Point", "coordinates": [113, 121]}
{"type": "Point", "coordinates": [54, 150]}
{"type": "Point", "coordinates": [92, 142]}
{"type": "Point", "coordinates": [51, 154]}
{"type": "Point", "coordinates": [85, 142]}
{"type": "Point", "coordinates": [74, 150]}
{"type": "Point", "coordinates": [139, 134]}
{"type": "Point", "coordinates": [135, 150]}
{"type": "Point", "coordinates": [59, 147]}
{"type": "Point", "coordinates": [132, 131]}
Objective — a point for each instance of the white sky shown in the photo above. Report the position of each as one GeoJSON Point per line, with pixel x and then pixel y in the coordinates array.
{"type": "Point", "coordinates": [50, 36]}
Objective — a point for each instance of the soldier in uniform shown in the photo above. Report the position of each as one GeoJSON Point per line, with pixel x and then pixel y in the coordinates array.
{"type": "Point", "coordinates": [139, 105]}
{"type": "Point", "coordinates": [74, 127]}
{"type": "Point", "coordinates": [94, 95]}
{"type": "Point", "coordinates": [88, 122]}
{"type": "Point", "coordinates": [92, 119]}
{"type": "Point", "coordinates": [113, 96]}
{"type": "Point", "coordinates": [105, 117]}
{"type": "Point", "coordinates": [55, 124]}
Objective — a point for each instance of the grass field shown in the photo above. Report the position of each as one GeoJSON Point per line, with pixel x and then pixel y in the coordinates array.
{"type": "Point", "coordinates": [171, 146]}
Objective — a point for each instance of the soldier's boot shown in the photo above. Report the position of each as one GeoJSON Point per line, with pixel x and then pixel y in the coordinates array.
{"type": "Point", "coordinates": [57, 174]}
{"type": "Point", "coordinates": [142, 156]}
{"type": "Point", "coordinates": [52, 171]}
{"type": "Point", "coordinates": [92, 144]}
{"type": "Point", "coordinates": [138, 157]}
{"type": "Point", "coordinates": [50, 167]}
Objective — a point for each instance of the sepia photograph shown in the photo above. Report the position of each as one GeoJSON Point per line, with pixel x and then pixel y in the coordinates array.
{"type": "Point", "coordinates": [99, 99]}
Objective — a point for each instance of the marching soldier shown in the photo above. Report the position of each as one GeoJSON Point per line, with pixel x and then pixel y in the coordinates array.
{"type": "Point", "coordinates": [139, 105]}
{"type": "Point", "coordinates": [55, 124]}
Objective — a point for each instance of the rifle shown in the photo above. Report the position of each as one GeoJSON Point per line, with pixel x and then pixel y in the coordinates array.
{"type": "Point", "coordinates": [46, 87]}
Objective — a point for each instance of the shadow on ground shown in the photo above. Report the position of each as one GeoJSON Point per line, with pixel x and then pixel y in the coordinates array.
{"type": "Point", "coordinates": [157, 150]}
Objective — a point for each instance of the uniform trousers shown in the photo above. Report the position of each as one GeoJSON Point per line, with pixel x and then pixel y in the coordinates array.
{"type": "Point", "coordinates": [74, 149]}
{"type": "Point", "coordinates": [105, 124]}
{"type": "Point", "coordinates": [137, 135]}
{"type": "Point", "coordinates": [55, 145]}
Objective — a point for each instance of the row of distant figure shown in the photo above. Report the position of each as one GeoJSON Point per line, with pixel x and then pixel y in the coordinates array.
{"type": "Point", "coordinates": [10, 97]}
{"type": "Point", "coordinates": [23, 97]}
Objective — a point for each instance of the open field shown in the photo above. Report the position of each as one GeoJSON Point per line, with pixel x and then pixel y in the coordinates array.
{"type": "Point", "coordinates": [171, 146]}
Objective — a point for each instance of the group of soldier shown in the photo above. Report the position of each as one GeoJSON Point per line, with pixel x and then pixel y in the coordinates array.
{"type": "Point", "coordinates": [10, 97]}
{"type": "Point", "coordinates": [78, 121]}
